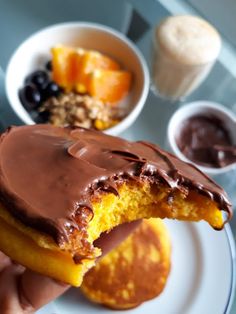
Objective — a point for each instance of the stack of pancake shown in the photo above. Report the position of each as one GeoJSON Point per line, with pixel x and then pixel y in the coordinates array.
{"type": "Point", "coordinates": [135, 271]}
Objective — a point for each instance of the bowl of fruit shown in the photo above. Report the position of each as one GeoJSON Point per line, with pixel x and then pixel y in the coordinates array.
{"type": "Point", "coordinates": [78, 74]}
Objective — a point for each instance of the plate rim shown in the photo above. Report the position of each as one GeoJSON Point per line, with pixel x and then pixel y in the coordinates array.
{"type": "Point", "coordinates": [232, 249]}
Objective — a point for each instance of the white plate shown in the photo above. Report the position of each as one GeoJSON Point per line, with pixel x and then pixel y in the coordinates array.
{"type": "Point", "coordinates": [201, 279]}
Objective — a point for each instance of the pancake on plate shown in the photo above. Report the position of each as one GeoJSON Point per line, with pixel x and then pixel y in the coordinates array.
{"type": "Point", "coordinates": [135, 271]}
{"type": "Point", "coordinates": [60, 188]}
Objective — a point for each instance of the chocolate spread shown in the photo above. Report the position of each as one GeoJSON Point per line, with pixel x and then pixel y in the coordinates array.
{"type": "Point", "coordinates": [48, 174]}
{"type": "Point", "coordinates": [206, 141]}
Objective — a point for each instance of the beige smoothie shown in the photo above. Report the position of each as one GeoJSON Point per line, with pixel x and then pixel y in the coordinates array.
{"type": "Point", "coordinates": [185, 49]}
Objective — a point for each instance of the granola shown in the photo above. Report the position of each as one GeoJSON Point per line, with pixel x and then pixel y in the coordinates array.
{"type": "Point", "coordinates": [81, 110]}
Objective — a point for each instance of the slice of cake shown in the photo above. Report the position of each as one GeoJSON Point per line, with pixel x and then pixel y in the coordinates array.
{"type": "Point", "coordinates": [60, 188]}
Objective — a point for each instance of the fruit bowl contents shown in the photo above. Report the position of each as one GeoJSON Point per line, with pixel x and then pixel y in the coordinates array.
{"type": "Point", "coordinates": [78, 87]}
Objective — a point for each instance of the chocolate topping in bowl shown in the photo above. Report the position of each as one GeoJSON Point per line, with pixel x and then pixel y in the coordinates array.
{"type": "Point", "coordinates": [206, 141]}
{"type": "Point", "coordinates": [48, 174]}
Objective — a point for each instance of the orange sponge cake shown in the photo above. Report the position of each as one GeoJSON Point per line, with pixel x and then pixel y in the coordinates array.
{"type": "Point", "coordinates": [135, 271]}
{"type": "Point", "coordinates": [60, 188]}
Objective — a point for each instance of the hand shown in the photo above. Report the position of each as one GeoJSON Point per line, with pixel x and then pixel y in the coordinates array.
{"type": "Point", "coordinates": [23, 291]}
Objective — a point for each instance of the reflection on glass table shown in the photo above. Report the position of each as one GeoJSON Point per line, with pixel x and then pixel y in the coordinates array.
{"type": "Point", "coordinates": [1, 98]}
{"type": "Point", "coordinates": [7, 116]}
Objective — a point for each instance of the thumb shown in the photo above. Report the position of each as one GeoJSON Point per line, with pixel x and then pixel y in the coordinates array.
{"type": "Point", "coordinates": [9, 298]}
{"type": "Point", "coordinates": [36, 290]}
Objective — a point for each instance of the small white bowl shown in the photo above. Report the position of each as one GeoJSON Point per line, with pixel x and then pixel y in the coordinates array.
{"type": "Point", "coordinates": [34, 52]}
{"type": "Point", "coordinates": [204, 108]}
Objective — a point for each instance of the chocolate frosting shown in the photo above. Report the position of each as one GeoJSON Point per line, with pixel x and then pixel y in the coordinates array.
{"type": "Point", "coordinates": [206, 141]}
{"type": "Point", "coordinates": [48, 174]}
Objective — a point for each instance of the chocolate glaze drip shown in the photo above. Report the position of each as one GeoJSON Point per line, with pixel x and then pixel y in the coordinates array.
{"type": "Point", "coordinates": [48, 174]}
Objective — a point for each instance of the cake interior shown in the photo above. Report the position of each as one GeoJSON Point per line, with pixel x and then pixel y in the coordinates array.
{"type": "Point", "coordinates": [39, 252]}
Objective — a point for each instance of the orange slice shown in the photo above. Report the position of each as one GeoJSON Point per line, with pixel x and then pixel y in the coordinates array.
{"type": "Point", "coordinates": [88, 71]}
{"type": "Point", "coordinates": [64, 65]}
{"type": "Point", "coordinates": [90, 61]}
{"type": "Point", "coordinates": [109, 86]}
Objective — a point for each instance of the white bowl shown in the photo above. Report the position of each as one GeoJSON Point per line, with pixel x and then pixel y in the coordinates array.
{"type": "Point", "coordinates": [205, 108]}
{"type": "Point", "coordinates": [33, 53]}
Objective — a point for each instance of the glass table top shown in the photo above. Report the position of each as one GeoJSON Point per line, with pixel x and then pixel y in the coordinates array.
{"type": "Point", "coordinates": [135, 18]}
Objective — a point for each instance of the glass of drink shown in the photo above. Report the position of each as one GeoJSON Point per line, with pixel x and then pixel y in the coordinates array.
{"type": "Point", "coordinates": [184, 50]}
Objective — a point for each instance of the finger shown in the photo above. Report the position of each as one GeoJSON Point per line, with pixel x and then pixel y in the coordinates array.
{"type": "Point", "coordinates": [9, 300]}
{"type": "Point", "coordinates": [36, 290]}
{"type": "Point", "coordinates": [4, 261]}
{"type": "Point", "coordinates": [108, 241]}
